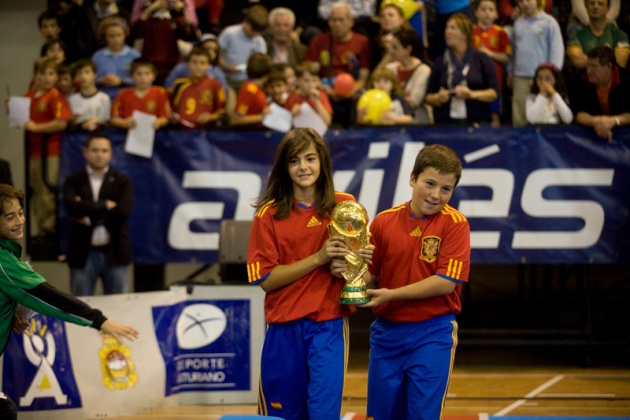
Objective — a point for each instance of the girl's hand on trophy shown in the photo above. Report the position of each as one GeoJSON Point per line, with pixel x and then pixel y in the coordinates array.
{"type": "Point", "coordinates": [379, 297]}
{"type": "Point", "coordinates": [334, 247]}
{"type": "Point", "coordinates": [338, 266]}
{"type": "Point", "coordinates": [366, 253]}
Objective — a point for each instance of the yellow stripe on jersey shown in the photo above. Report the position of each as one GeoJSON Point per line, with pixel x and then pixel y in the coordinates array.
{"type": "Point", "coordinates": [456, 215]}
{"type": "Point", "coordinates": [350, 196]}
{"type": "Point", "coordinates": [395, 209]}
{"type": "Point", "coordinates": [253, 271]}
{"type": "Point", "coordinates": [261, 211]}
{"type": "Point", "coordinates": [454, 269]}
{"type": "Point", "coordinates": [179, 89]}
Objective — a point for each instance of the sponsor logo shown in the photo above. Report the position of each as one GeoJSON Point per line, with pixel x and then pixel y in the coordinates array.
{"type": "Point", "coordinates": [313, 222]}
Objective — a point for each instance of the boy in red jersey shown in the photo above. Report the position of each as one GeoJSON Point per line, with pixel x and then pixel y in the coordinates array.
{"type": "Point", "coordinates": [49, 116]}
{"type": "Point", "coordinates": [308, 91]}
{"type": "Point", "coordinates": [413, 339]}
{"type": "Point", "coordinates": [306, 345]}
{"type": "Point", "coordinates": [198, 100]}
{"type": "Point", "coordinates": [251, 102]}
{"type": "Point", "coordinates": [142, 97]}
{"type": "Point", "coordinates": [493, 41]}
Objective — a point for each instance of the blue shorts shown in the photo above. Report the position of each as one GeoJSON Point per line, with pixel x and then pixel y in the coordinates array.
{"type": "Point", "coordinates": [303, 369]}
{"type": "Point", "coordinates": [410, 368]}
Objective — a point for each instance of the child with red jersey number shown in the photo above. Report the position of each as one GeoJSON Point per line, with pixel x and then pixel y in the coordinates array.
{"type": "Point", "coordinates": [198, 100]}
{"type": "Point", "coordinates": [306, 345]}
{"type": "Point", "coordinates": [413, 339]}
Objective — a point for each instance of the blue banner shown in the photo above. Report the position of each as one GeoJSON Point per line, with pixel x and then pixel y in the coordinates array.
{"type": "Point", "coordinates": [205, 345]}
{"type": "Point", "coordinates": [37, 372]}
{"type": "Point", "coordinates": [538, 195]}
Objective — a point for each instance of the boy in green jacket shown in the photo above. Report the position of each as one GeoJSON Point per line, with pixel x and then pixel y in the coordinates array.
{"type": "Point", "coordinates": [19, 284]}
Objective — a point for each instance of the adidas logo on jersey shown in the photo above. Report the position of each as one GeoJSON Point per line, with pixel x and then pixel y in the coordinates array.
{"type": "Point", "coordinates": [416, 232]}
{"type": "Point", "coordinates": [313, 222]}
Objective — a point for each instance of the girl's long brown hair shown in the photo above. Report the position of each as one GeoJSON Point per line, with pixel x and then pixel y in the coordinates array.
{"type": "Point", "coordinates": [280, 185]}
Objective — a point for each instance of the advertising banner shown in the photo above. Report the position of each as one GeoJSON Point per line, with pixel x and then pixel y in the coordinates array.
{"type": "Point", "coordinates": [538, 195]}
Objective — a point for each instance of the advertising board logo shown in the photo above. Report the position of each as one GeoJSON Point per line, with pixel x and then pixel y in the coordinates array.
{"type": "Point", "coordinates": [40, 350]}
{"type": "Point", "coordinates": [199, 325]}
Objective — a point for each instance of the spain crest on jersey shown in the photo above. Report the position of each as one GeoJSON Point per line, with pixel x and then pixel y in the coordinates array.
{"type": "Point", "coordinates": [430, 248]}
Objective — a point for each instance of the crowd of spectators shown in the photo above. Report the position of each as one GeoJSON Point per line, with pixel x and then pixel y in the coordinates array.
{"type": "Point", "coordinates": [215, 65]}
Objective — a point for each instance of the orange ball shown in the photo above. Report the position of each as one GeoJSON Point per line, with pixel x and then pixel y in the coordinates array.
{"type": "Point", "coordinates": [344, 82]}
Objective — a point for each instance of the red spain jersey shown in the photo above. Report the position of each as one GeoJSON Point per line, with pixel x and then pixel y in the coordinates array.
{"type": "Point", "coordinates": [191, 99]}
{"type": "Point", "coordinates": [295, 98]}
{"type": "Point", "coordinates": [49, 106]}
{"type": "Point", "coordinates": [154, 102]}
{"type": "Point", "coordinates": [251, 99]}
{"type": "Point", "coordinates": [281, 242]}
{"type": "Point", "coordinates": [350, 56]}
{"type": "Point", "coordinates": [410, 249]}
{"type": "Point", "coordinates": [496, 40]}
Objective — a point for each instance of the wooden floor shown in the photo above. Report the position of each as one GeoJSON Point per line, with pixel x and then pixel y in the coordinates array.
{"type": "Point", "coordinates": [500, 382]}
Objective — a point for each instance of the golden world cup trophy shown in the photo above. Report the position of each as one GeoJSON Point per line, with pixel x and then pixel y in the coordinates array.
{"type": "Point", "coordinates": [349, 220]}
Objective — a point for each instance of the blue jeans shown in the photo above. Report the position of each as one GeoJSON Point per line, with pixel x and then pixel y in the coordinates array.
{"type": "Point", "coordinates": [83, 280]}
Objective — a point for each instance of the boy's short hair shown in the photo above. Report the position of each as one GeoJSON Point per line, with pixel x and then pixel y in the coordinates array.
{"type": "Point", "coordinates": [141, 62]}
{"type": "Point", "coordinates": [110, 21]}
{"type": "Point", "coordinates": [306, 67]}
{"type": "Point", "coordinates": [198, 50]}
{"type": "Point", "coordinates": [48, 14]}
{"type": "Point", "coordinates": [8, 193]}
{"type": "Point", "coordinates": [46, 46]}
{"type": "Point", "coordinates": [442, 158]}
{"type": "Point", "coordinates": [64, 69]}
{"type": "Point", "coordinates": [258, 65]}
{"type": "Point", "coordinates": [82, 63]}
{"type": "Point", "coordinates": [44, 63]}
{"type": "Point", "coordinates": [257, 17]}
{"type": "Point", "coordinates": [387, 74]}
{"type": "Point", "coordinates": [481, 1]}
{"type": "Point", "coordinates": [276, 76]}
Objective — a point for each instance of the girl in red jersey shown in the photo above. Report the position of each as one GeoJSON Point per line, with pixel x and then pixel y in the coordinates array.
{"type": "Point", "coordinates": [304, 357]}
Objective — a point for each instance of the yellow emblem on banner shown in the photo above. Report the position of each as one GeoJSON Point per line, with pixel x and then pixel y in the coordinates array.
{"type": "Point", "coordinates": [430, 248]}
{"type": "Point", "coordinates": [117, 365]}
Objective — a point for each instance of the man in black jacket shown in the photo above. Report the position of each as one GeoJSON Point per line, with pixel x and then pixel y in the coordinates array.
{"type": "Point", "coordinates": [99, 199]}
{"type": "Point", "coordinates": [600, 97]}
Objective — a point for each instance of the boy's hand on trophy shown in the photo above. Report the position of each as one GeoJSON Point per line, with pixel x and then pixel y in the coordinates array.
{"type": "Point", "coordinates": [366, 253]}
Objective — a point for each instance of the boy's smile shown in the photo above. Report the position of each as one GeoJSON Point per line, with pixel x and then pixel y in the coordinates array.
{"type": "Point", "coordinates": [432, 190]}
{"type": "Point", "coordinates": [12, 220]}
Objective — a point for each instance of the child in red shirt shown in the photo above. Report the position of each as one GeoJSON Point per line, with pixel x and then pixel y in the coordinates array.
{"type": "Point", "coordinates": [49, 116]}
{"type": "Point", "coordinates": [493, 41]}
{"type": "Point", "coordinates": [251, 102]}
{"type": "Point", "coordinates": [307, 81]}
{"type": "Point", "coordinates": [142, 97]}
{"type": "Point", "coordinates": [198, 100]}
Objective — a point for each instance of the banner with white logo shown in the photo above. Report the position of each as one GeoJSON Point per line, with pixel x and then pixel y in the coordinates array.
{"type": "Point", "coordinates": [539, 195]}
{"type": "Point", "coordinates": [203, 346]}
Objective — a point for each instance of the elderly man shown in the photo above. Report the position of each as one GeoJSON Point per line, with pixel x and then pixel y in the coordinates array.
{"type": "Point", "coordinates": [600, 99]}
{"type": "Point", "coordinates": [283, 44]}
{"type": "Point", "coordinates": [598, 32]}
{"type": "Point", "coordinates": [341, 51]}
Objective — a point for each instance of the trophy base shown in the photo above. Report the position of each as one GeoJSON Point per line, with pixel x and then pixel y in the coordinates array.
{"type": "Point", "coordinates": [354, 295]}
